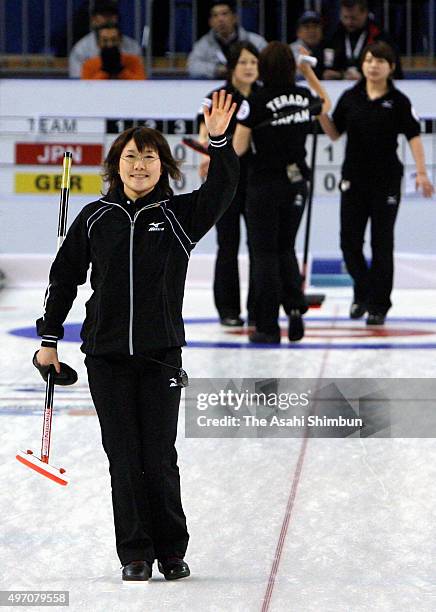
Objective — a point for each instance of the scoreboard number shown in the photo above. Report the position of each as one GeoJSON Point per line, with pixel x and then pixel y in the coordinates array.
{"type": "Point", "coordinates": [180, 184]}
{"type": "Point", "coordinates": [329, 151]}
{"type": "Point", "coordinates": [166, 126]}
{"type": "Point", "coordinates": [330, 182]}
{"type": "Point", "coordinates": [179, 152]}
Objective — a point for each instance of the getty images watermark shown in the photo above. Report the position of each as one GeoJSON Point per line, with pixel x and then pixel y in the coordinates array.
{"type": "Point", "coordinates": [285, 407]}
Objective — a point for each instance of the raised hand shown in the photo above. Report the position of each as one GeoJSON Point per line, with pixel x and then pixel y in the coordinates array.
{"type": "Point", "coordinates": [304, 67]}
{"type": "Point", "coordinates": [217, 118]}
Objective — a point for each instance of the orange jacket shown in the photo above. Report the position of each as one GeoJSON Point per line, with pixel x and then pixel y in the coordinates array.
{"type": "Point", "coordinates": [133, 68]}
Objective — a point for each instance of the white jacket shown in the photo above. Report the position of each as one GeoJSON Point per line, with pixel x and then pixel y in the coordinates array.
{"type": "Point", "coordinates": [206, 53]}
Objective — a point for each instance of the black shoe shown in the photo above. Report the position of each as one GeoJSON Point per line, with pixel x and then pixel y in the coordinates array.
{"type": "Point", "coordinates": [232, 321]}
{"type": "Point", "coordinates": [137, 571]}
{"type": "Point", "coordinates": [251, 323]}
{"type": "Point", "coordinates": [173, 568]}
{"type": "Point", "coordinates": [375, 318]}
{"type": "Point", "coordinates": [357, 310]}
{"type": "Point", "coordinates": [258, 337]}
{"type": "Point", "coordinates": [296, 326]}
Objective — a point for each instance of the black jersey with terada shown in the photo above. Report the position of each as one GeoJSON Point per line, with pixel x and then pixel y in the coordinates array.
{"type": "Point", "coordinates": [282, 142]}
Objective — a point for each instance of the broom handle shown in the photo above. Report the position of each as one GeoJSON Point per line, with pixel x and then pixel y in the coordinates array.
{"type": "Point", "coordinates": [64, 198]}
{"type": "Point", "coordinates": [309, 202]}
{"type": "Point", "coordinates": [48, 415]}
{"type": "Point", "coordinates": [62, 230]}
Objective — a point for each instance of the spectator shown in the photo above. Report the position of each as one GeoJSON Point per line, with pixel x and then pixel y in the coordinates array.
{"type": "Point", "coordinates": [208, 58]}
{"type": "Point", "coordinates": [309, 36]}
{"type": "Point", "coordinates": [111, 63]}
{"type": "Point", "coordinates": [355, 30]}
{"type": "Point", "coordinates": [103, 13]}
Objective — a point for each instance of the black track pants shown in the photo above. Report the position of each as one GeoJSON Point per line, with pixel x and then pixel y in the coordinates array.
{"type": "Point", "coordinates": [138, 410]}
{"type": "Point", "coordinates": [226, 283]}
{"type": "Point", "coordinates": [274, 211]}
{"type": "Point", "coordinates": [359, 204]}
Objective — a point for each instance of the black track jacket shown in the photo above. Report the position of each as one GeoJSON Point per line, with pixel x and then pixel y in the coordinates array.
{"type": "Point", "coordinates": [139, 254]}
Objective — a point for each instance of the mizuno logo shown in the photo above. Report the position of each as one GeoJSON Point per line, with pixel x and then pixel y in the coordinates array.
{"type": "Point", "coordinates": [387, 104]}
{"type": "Point", "coordinates": [154, 227]}
{"type": "Point", "coordinates": [173, 382]}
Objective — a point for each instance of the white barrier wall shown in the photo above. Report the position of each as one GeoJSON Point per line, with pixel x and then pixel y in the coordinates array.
{"type": "Point", "coordinates": [39, 119]}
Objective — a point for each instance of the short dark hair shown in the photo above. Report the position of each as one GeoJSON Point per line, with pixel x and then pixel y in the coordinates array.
{"type": "Point", "coordinates": [234, 53]}
{"type": "Point", "coordinates": [105, 8]}
{"type": "Point", "coordinates": [381, 50]}
{"type": "Point", "coordinates": [143, 137]}
{"type": "Point", "coordinates": [362, 4]}
{"type": "Point", "coordinates": [309, 17]}
{"type": "Point", "coordinates": [109, 25]}
{"type": "Point", "coordinates": [230, 4]}
{"type": "Point", "coordinates": [277, 65]}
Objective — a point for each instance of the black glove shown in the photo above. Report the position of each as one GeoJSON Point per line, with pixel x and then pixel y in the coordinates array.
{"type": "Point", "coordinates": [68, 376]}
{"type": "Point", "coordinates": [111, 60]}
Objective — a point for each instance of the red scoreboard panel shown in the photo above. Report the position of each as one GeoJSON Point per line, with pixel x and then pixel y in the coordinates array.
{"type": "Point", "coordinates": [51, 153]}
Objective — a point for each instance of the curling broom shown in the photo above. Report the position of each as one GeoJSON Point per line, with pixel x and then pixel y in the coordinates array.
{"type": "Point", "coordinates": [314, 300]}
{"type": "Point", "coordinates": [27, 458]}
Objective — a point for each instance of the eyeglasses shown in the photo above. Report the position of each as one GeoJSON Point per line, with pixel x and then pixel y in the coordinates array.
{"type": "Point", "coordinates": [145, 159]}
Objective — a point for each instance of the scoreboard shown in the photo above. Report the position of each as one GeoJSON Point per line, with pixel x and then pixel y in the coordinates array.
{"type": "Point", "coordinates": [40, 119]}
{"type": "Point", "coordinates": [32, 148]}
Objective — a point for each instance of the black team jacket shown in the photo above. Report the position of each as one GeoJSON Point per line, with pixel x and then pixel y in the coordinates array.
{"type": "Point", "coordinates": [139, 253]}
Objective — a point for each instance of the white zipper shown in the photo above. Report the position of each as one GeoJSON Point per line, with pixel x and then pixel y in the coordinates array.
{"type": "Point", "coordinates": [132, 229]}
